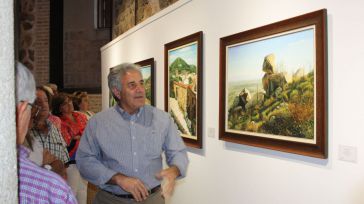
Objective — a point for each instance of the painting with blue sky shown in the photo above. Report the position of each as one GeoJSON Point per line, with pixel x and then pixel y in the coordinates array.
{"type": "Point", "coordinates": [183, 87]}
{"type": "Point", "coordinates": [146, 74]}
{"type": "Point", "coordinates": [291, 50]}
{"type": "Point", "coordinates": [182, 66]}
{"type": "Point", "coordinates": [273, 86]}
{"type": "Point", "coordinates": [145, 71]}
{"type": "Point", "coordinates": [270, 86]}
{"type": "Point", "coordinates": [187, 52]}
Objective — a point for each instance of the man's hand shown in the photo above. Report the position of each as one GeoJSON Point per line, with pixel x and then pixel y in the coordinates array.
{"type": "Point", "coordinates": [168, 177]}
{"type": "Point", "coordinates": [131, 185]}
{"type": "Point", "coordinates": [59, 168]}
{"type": "Point", "coordinates": [48, 157]}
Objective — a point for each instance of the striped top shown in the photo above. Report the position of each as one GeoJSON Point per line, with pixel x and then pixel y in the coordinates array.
{"type": "Point", "coordinates": [115, 141]}
{"type": "Point", "coordinates": [38, 185]}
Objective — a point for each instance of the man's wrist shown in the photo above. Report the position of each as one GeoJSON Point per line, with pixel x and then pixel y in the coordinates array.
{"type": "Point", "coordinates": [116, 179]}
{"type": "Point", "coordinates": [176, 171]}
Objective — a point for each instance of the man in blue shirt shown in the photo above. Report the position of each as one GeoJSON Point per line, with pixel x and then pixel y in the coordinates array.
{"type": "Point", "coordinates": [121, 149]}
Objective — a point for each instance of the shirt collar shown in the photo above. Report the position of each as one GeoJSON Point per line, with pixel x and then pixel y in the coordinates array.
{"type": "Point", "coordinates": [126, 115]}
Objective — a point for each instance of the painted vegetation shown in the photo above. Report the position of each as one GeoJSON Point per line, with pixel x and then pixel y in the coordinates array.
{"type": "Point", "coordinates": [146, 73]}
{"type": "Point", "coordinates": [182, 97]}
{"type": "Point", "coordinates": [280, 102]}
{"type": "Point", "coordinates": [283, 108]}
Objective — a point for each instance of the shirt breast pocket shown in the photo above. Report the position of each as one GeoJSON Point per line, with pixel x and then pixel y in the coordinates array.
{"type": "Point", "coordinates": [153, 143]}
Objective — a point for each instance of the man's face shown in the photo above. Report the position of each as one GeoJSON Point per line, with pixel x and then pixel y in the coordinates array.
{"type": "Point", "coordinates": [132, 95]}
{"type": "Point", "coordinates": [42, 102]}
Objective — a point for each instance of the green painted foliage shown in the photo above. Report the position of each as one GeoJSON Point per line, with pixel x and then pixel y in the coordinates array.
{"type": "Point", "coordinates": [288, 112]}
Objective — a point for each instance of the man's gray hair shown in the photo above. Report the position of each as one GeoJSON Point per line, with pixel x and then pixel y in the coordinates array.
{"type": "Point", "coordinates": [114, 77]}
{"type": "Point", "coordinates": [25, 84]}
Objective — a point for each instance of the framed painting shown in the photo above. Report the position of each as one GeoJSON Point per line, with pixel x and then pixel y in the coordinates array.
{"type": "Point", "coordinates": [273, 86]}
{"type": "Point", "coordinates": [183, 86]}
{"type": "Point", "coordinates": [112, 100]}
{"type": "Point", "coordinates": [147, 70]}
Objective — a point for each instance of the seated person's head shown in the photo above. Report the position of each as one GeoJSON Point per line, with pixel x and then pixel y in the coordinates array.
{"type": "Point", "coordinates": [62, 105]}
{"type": "Point", "coordinates": [54, 88]}
{"type": "Point", "coordinates": [80, 101]}
{"type": "Point", "coordinates": [42, 102]}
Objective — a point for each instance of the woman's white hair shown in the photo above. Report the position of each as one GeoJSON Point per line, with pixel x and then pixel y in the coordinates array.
{"type": "Point", "coordinates": [25, 84]}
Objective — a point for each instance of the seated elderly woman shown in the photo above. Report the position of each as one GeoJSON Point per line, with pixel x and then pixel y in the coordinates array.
{"type": "Point", "coordinates": [46, 136]}
{"type": "Point", "coordinates": [81, 103]}
{"type": "Point", "coordinates": [73, 125]}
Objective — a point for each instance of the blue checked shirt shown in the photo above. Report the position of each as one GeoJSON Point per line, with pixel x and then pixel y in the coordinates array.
{"type": "Point", "coordinates": [115, 141]}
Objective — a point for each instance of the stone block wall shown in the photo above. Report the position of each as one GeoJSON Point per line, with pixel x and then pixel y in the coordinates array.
{"type": "Point", "coordinates": [34, 38]}
{"type": "Point", "coordinates": [125, 13]}
{"type": "Point", "coordinates": [123, 16]}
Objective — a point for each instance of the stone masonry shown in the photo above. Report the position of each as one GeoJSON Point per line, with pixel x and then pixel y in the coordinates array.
{"type": "Point", "coordinates": [124, 13]}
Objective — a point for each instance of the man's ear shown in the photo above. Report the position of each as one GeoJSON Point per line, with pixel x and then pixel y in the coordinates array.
{"type": "Point", "coordinates": [22, 122]}
{"type": "Point", "coordinates": [116, 92]}
{"type": "Point", "coordinates": [21, 108]}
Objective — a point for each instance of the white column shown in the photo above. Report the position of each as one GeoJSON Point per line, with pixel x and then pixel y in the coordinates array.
{"type": "Point", "coordinates": [8, 162]}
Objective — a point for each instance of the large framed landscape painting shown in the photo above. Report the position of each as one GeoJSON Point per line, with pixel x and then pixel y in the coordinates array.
{"type": "Point", "coordinates": [147, 70]}
{"type": "Point", "coordinates": [273, 86]}
{"type": "Point", "coordinates": [183, 86]}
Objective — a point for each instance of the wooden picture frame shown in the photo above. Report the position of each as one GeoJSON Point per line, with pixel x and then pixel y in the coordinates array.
{"type": "Point", "coordinates": [112, 100]}
{"type": "Point", "coordinates": [273, 86]}
{"type": "Point", "coordinates": [183, 86]}
{"type": "Point", "coordinates": [148, 72]}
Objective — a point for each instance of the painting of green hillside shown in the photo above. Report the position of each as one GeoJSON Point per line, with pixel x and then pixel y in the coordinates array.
{"type": "Point", "coordinates": [183, 87]}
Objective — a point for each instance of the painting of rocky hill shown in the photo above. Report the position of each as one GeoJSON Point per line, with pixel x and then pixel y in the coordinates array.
{"type": "Point", "coordinates": [271, 87]}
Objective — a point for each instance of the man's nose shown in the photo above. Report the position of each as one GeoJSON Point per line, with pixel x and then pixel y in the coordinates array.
{"type": "Point", "coordinates": [140, 88]}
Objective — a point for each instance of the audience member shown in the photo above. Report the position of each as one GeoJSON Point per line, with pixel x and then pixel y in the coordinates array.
{"type": "Point", "coordinates": [81, 103]}
{"type": "Point", "coordinates": [45, 133]}
{"type": "Point", "coordinates": [54, 88]}
{"type": "Point", "coordinates": [73, 125]}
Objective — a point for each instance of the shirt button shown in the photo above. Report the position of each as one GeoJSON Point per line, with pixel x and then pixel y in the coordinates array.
{"type": "Point", "coordinates": [133, 138]}
{"type": "Point", "coordinates": [136, 170]}
{"type": "Point", "coordinates": [134, 153]}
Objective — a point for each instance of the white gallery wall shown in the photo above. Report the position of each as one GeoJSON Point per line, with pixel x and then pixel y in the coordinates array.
{"type": "Point", "coordinates": [229, 173]}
